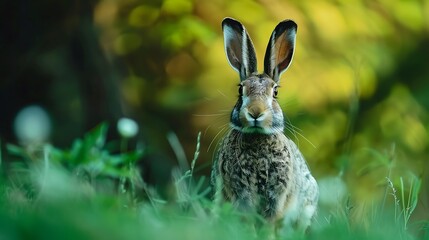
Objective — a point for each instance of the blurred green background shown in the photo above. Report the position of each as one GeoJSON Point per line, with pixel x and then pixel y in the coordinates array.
{"type": "Point", "coordinates": [356, 94]}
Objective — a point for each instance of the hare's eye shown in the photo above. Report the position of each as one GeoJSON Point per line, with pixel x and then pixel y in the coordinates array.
{"type": "Point", "coordinates": [240, 90]}
{"type": "Point", "coordinates": [275, 91]}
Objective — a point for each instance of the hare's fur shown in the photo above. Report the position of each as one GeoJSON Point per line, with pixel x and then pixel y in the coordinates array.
{"type": "Point", "coordinates": [267, 173]}
{"type": "Point", "coordinates": [259, 168]}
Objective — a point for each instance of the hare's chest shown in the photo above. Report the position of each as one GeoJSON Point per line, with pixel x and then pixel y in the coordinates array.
{"type": "Point", "coordinates": [255, 172]}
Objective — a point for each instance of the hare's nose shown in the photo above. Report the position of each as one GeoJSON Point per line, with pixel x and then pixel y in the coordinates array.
{"type": "Point", "coordinates": [255, 115]}
{"type": "Point", "coordinates": [255, 112]}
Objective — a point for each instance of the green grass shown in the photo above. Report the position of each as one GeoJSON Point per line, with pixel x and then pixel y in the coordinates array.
{"type": "Point", "coordinates": [90, 192]}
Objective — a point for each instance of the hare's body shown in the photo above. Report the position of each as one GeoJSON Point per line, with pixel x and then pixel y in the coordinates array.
{"type": "Point", "coordinates": [267, 173]}
{"type": "Point", "coordinates": [260, 169]}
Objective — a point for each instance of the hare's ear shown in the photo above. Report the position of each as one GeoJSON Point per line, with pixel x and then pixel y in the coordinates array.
{"type": "Point", "coordinates": [279, 53]}
{"type": "Point", "coordinates": [239, 48]}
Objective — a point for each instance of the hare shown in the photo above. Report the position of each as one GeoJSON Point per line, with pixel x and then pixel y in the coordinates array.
{"type": "Point", "coordinates": [258, 167]}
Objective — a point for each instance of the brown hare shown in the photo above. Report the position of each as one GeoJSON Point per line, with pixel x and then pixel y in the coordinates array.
{"type": "Point", "coordinates": [258, 167]}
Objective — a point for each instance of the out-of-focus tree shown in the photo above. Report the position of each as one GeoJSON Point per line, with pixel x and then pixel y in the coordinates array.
{"type": "Point", "coordinates": [51, 57]}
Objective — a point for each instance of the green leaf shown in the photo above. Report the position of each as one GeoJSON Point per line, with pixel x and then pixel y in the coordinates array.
{"type": "Point", "coordinates": [415, 190]}
{"type": "Point", "coordinates": [16, 150]}
{"type": "Point", "coordinates": [97, 136]}
{"type": "Point", "coordinates": [132, 157]}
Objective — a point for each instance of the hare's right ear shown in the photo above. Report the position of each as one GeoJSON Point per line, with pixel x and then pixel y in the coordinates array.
{"type": "Point", "coordinates": [239, 48]}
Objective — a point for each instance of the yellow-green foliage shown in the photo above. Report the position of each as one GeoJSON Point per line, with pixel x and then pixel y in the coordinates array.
{"type": "Point", "coordinates": [357, 82]}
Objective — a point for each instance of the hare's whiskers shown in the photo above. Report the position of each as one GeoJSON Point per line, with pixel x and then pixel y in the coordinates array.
{"type": "Point", "coordinates": [306, 139]}
{"type": "Point", "coordinates": [219, 117]}
{"type": "Point", "coordinates": [209, 115]}
{"type": "Point", "coordinates": [224, 95]}
{"type": "Point", "coordinates": [214, 138]}
{"type": "Point", "coordinates": [296, 132]}
{"type": "Point", "coordinates": [291, 128]}
{"type": "Point", "coordinates": [213, 124]}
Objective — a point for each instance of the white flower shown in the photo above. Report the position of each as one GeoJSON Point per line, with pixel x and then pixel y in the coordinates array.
{"type": "Point", "coordinates": [32, 125]}
{"type": "Point", "coordinates": [128, 128]}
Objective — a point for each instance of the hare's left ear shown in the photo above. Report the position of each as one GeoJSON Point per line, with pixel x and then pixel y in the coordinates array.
{"type": "Point", "coordinates": [279, 53]}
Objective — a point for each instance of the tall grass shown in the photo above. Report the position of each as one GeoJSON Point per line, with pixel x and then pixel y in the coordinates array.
{"type": "Point", "coordinates": [75, 194]}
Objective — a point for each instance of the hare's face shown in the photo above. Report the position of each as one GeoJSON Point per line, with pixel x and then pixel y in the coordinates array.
{"type": "Point", "coordinates": [257, 110]}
